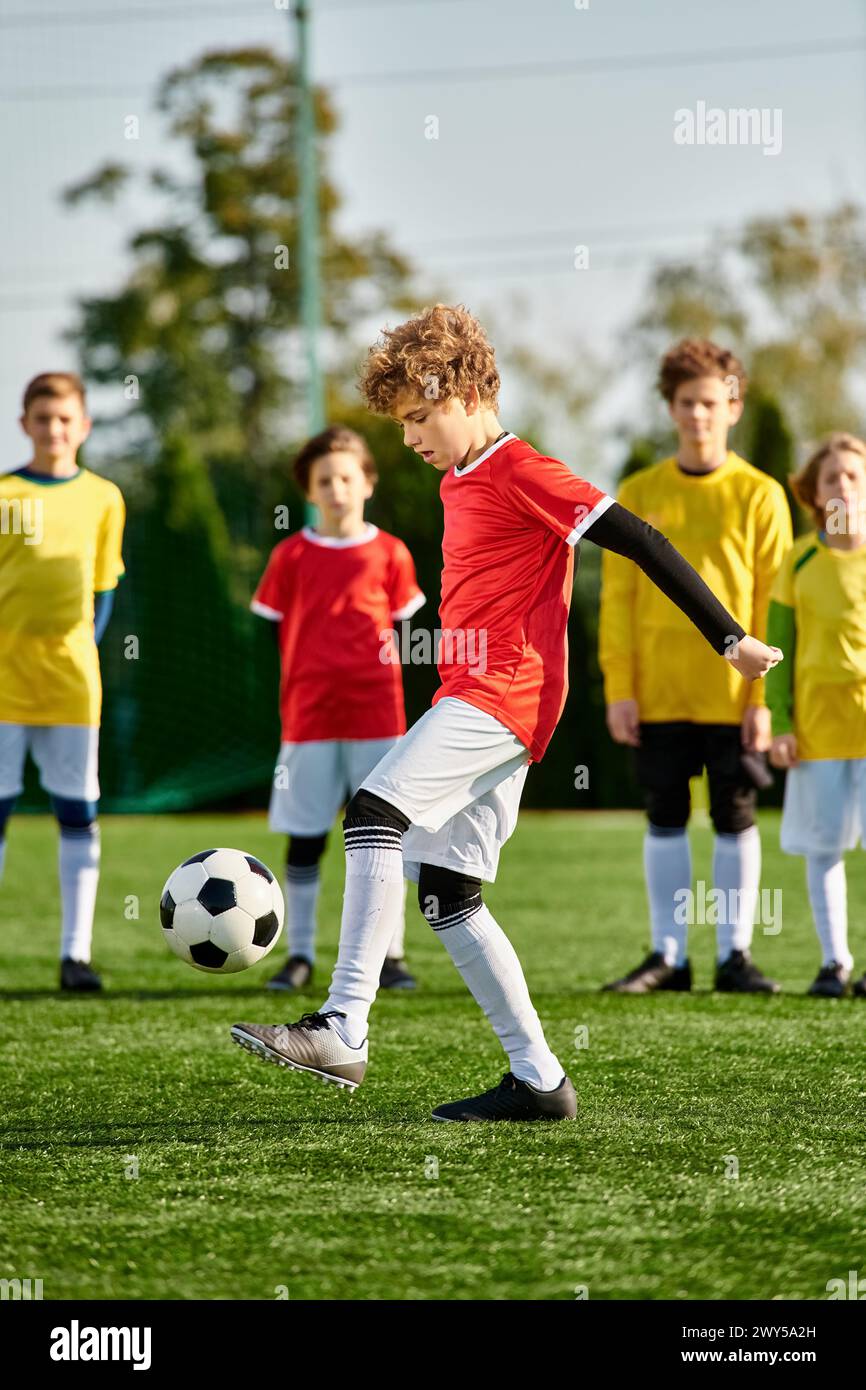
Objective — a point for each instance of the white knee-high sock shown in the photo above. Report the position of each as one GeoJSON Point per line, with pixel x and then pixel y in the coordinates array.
{"type": "Point", "coordinates": [373, 893]}
{"type": "Point", "coordinates": [493, 974]}
{"type": "Point", "coordinates": [396, 946]}
{"type": "Point", "coordinates": [667, 862]}
{"type": "Point", "coordinates": [737, 871]}
{"type": "Point", "coordinates": [828, 894]}
{"type": "Point", "coordinates": [2, 853]}
{"type": "Point", "coordinates": [302, 895]}
{"type": "Point", "coordinates": [78, 860]}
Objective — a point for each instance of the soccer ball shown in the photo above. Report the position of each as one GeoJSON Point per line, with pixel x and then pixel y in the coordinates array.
{"type": "Point", "coordinates": [221, 911]}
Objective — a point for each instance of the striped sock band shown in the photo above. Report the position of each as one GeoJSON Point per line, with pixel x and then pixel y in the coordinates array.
{"type": "Point", "coordinates": [385, 837]}
{"type": "Point", "coordinates": [372, 900]}
{"type": "Point", "coordinates": [452, 914]}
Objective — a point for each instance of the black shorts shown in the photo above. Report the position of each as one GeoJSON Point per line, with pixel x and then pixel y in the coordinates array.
{"type": "Point", "coordinates": [671, 753]}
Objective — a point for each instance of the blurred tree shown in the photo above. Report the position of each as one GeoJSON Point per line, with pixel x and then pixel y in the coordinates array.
{"type": "Point", "coordinates": [686, 301]}
{"type": "Point", "coordinates": [811, 273]}
{"type": "Point", "coordinates": [788, 295]}
{"type": "Point", "coordinates": [204, 334]}
{"type": "Point", "coordinates": [770, 445]}
{"type": "Point", "coordinates": [190, 675]}
{"type": "Point", "coordinates": [642, 453]}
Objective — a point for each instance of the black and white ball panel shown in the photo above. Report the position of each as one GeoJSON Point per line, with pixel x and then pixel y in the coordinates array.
{"type": "Point", "coordinates": [258, 867]}
{"type": "Point", "coordinates": [221, 910]}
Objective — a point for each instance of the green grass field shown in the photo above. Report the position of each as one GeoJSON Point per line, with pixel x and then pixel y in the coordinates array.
{"type": "Point", "coordinates": [251, 1179]}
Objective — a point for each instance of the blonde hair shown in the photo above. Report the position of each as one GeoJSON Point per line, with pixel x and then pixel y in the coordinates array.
{"type": "Point", "coordinates": [804, 484]}
{"type": "Point", "coordinates": [438, 355]}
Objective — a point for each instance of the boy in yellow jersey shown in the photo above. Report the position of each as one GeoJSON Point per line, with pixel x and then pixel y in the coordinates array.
{"type": "Point", "coordinates": [60, 536]}
{"type": "Point", "coordinates": [677, 709]}
{"type": "Point", "coordinates": [819, 707]}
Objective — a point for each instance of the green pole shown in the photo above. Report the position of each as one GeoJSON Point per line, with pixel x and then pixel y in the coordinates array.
{"type": "Point", "coordinates": [308, 225]}
{"type": "Point", "coordinates": [308, 232]}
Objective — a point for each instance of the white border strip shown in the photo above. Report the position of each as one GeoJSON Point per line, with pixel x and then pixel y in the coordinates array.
{"type": "Point", "coordinates": [461, 472]}
{"type": "Point", "coordinates": [411, 607]}
{"type": "Point", "coordinates": [598, 510]}
{"type": "Point", "coordinates": [340, 542]}
{"type": "Point", "coordinates": [265, 612]}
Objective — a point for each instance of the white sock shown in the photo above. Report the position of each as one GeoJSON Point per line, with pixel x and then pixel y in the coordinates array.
{"type": "Point", "coordinates": [737, 871]}
{"type": "Point", "coordinates": [396, 946]}
{"type": "Point", "coordinates": [79, 877]}
{"type": "Point", "coordinates": [2, 854]}
{"type": "Point", "coordinates": [493, 974]}
{"type": "Point", "coordinates": [667, 863]}
{"type": "Point", "coordinates": [302, 894]}
{"type": "Point", "coordinates": [828, 894]}
{"type": "Point", "coordinates": [372, 897]}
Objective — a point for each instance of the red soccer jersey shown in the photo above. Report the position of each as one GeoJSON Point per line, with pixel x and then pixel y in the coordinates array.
{"type": "Point", "coordinates": [511, 520]}
{"type": "Point", "coordinates": [333, 600]}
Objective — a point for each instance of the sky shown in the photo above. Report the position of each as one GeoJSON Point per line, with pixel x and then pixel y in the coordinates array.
{"type": "Point", "coordinates": [555, 128]}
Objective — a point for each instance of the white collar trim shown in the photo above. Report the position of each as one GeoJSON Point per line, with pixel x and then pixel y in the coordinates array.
{"type": "Point", "coordinates": [461, 472]}
{"type": "Point", "coordinates": [341, 542]}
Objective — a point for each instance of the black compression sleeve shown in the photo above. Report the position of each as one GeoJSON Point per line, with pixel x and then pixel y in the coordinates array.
{"type": "Point", "coordinates": [620, 530]}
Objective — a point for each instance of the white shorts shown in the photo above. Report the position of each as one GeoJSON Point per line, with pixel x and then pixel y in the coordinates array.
{"type": "Point", "coordinates": [458, 775]}
{"type": "Point", "coordinates": [313, 781]}
{"type": "Point", "coordinates": [825, 806]}
{"type": "Point", "coordinates": [66, 755]}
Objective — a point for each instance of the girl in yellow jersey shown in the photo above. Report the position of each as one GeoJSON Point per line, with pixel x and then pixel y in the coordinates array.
{"type": "Point", "coordinates": [818, 701]}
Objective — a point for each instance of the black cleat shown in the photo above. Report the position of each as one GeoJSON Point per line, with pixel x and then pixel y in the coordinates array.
{"type": "Point", "coordinates": [295, 974]}
{"type": "Point", "coordinates": [831, 982]}
{"type": "Point", "coordinates": [859, 988]}
{"type": "Point", "coordinates": [653, 973]}
{"type": "Point", "coordinates": [77, 975]}
{"type": "Point", "coordinates": [513, 1099]}
{"type": "Point", "coordinates": [394, 975]}
{"type": "Point", "coordinates": [739, 975]}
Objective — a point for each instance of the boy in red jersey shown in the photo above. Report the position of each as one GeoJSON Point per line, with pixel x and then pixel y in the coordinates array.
{"type": "Point", "coordinates": [445, 798]}
{"type": "Point", "coordinates": [333, 590]}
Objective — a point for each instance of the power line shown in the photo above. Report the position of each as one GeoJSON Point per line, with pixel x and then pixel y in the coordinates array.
{"type": "Point", "coordinates": [651, 235]}
{"type": "Point", "coordinates": [158, 14]}
{"type": "Point", "coordinates": [611, 63]}
{"type": "Point", "coordinates": [648, 235]}
{"type": "Point", "coordinates": [511, 72]}
{"type": "Point", "coordinates": [56, 92]}
{"type": "Point", "coordinates": [13, 302]}
{"type": "Point", "coordinates": [128, 15]}
{"type": "Point", "coordinates": [565, 235]}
